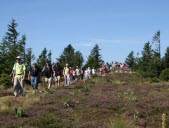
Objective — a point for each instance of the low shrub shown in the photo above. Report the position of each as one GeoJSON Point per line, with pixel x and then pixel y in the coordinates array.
{"type": "Point", "coordinates": [121, 123]}
{"type": "Point", "coordinates": [155, 80]}
{"type": "Point", "coordinates": [165, 74]}
{"type": "Point", "coordinates": [19, 112]}
{"type": "Point", "coordinates": [85, 89]}
{"type": "Point", "coordinates": [5, 80]}
{"type": "Point", "coordinates": [48, 120]}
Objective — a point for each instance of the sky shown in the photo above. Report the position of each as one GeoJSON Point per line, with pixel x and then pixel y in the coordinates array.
{"type": "Point", "coordinates": [117, 26]}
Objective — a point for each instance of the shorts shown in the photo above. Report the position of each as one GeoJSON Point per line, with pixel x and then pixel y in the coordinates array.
{"type": "Point", "coordinates": [57, 78]}
{"type": "Point", "coordinates": [48, 79]}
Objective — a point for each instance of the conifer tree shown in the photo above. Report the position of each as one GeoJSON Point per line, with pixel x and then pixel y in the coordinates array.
{"type": "Point", "coordinates": [9, 48]}
{"type": "Point", "coordinates": [130, 60]}
{"type": "Point", "coordinates": [41, 60]}
{"type": "Point", "coordinates": [29, 57]}
{"type": "Point", "coordinates": [156, 41]}
{"type": "Point", "coordinates": [94, 59]}
{"type": "Point", "coordinates": [78, 59]}
{"type": "Point", "coordinates": [67, 56]}
{"type": "Point", "coordinates": [166, 58]}
{"type": "Point", "coordinates": [144, 63]}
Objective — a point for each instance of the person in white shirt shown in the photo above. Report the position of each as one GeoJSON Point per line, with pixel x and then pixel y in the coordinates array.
{"type": "Point", "coordinates": [93, 71]}
{"type": "Point", "coordinates": [86, 75]}
{"type": "Point", "coordinates": [89, 72]}
{"type": "Point", "coordinates": [77, 73]}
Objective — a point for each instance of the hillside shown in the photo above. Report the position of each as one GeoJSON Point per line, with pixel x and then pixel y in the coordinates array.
{"type": "Point", "coordinates": [101, 102]}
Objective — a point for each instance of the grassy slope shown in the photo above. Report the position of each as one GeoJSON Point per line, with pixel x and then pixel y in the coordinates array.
{"type": "Point", "coordinates": [116, 96]}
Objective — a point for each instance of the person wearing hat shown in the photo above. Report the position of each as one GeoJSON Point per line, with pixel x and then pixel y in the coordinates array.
{"type": "Point", "coordinates": [34, 76]}
{"type": "Point", "coordinates": [19, 76]}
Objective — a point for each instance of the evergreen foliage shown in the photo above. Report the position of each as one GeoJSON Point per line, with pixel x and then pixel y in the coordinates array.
{"type": "Point", "coordinates": [166, 58]}
{"type": "Point", "coordinates": [43, 57]}
{"type": "Point", "coordinates": [165, 74]}
{"type": "Point", "coordinates": [94, 59]}
{"type": "Point", "coordinates": [130, 60]}
{"type": "Point", "coordinates": [70, 56]}
{"type": "Point", "coordinates": [156, 41]}
{"type": "Point", "coordinates": [10, 48]}
{"type": "Point", "coordinates": [150, 63]}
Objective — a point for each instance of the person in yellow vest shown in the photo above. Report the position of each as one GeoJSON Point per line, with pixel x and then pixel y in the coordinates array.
{"type": "Point", "coordinates": [19, 76]}
{"type": "Point", "coordinates": [66, 74]}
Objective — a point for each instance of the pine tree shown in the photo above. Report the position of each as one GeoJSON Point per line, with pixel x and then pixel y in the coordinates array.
{"type": "Point", "coordinates": [156, 41]}
{"type": "Point", "coordinates": [155, 65]}
{"type": "Point", "coordinates": [144, 63]}
{"type": "Point", "coordinates": [9, 48]}
{"type": "Point", "coordinates": [130, 60]}
{"type": "Point", "coordinates": [78, 59]}
{"type": "Point", "coordinates": [21, 47]}
{"type": "Point", "coordinates": [166, 58]}
{"type": "Point", "coordinates": [67, 56]}
{"type": "Point", "coordinates": [94, 59]}
{"type": "Point", "coordinates": [29, 57]}
{"type": "Point", "coordinates": [12, 34]}
{"type": "Point", "coordinates": [41, 60]}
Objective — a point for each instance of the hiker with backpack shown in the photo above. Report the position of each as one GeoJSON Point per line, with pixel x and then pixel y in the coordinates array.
{"type": "Point", "coordinates": [48, 72]}
{"type": "Point", "coordinates": [34, 76]}
{"type": "Point", "coordinates": [19, 76]}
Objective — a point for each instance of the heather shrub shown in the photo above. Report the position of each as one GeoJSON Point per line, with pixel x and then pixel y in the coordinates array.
{"type": "Point", "coordinates": [47, 121]}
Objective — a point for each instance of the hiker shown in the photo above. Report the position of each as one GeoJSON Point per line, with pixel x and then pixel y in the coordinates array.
{"type": "Point", "coordinates": [104, 68]}
{"type": "Point", "coordinates": [93, 71]}
{"type": "Point", "coordinates": [81, 73]}
{"type": "Point", "coordinates": [77, 73]}
{"type": "Point", "coordinates": [86, 75]}
{"type": "Point", "coordinates": [66, 75]}
{"type": "Point", "coordinates": [34, 76]}
{"type": "Point", "coordinates": [71, 74]}
{"type": "Point", "coordinates": [47, 69]}
{"type": "Point", "coordinates": [89, 72]}
{"type": "Point", "coordinates": [101, 70]}
{"type": "Point", "coordinates": [57, 73]}
{"type": "Point", "coordinates": [74, 74]}
{"type": "Point", "coordinates": [19, 76]}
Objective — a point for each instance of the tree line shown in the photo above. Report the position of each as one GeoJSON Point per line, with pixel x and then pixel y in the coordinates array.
{"type": "Point", "coordinates": [150, 63]}
{"type": "Point", "coordinates": [11, 46]}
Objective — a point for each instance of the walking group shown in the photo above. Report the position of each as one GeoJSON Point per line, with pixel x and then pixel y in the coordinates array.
{"type": "Point", "coordinates": [52, 75]}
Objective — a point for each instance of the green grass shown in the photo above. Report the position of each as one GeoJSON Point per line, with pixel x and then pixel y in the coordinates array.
{"type": "Point", "coordinates": [120, 123]}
